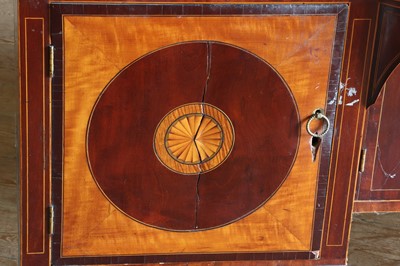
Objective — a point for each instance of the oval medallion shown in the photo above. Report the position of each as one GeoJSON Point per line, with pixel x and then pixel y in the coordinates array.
{"type": "Point", "coordinates": [193, 136]}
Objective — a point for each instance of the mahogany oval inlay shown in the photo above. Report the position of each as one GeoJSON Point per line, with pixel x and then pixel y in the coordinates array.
{"type": "Point", "coordinates": [232, 114]}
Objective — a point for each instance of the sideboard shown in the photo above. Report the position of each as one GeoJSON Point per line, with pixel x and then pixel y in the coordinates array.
{"type": "Point", "coordinates": [205, 133]}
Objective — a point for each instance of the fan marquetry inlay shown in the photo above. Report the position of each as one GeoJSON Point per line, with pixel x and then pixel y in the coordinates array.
{"type": "Point", "coordinates": [194, 138]}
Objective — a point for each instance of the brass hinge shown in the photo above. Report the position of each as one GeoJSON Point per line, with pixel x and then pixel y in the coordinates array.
{"type": "Point", "coordinates": [50, 212]}
{"type": "Point", "coordinates": [51, 61]}
{"type": "Point", "coordinates": [363, 156]}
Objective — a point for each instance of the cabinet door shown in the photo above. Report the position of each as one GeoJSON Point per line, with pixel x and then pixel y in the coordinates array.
{"type": "Point", "coordinates": [180, 130]}
{"type": "Point", "coordinates": [378, 187]}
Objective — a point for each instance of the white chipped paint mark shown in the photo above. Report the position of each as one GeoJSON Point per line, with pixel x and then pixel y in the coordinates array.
{"type": "Point", "coordinates": [316, 253]}
{"type": "Point", "coordinates": [342, 87]}
{"type": "Point", "coordinates": [352, 103]}
{"type": "Point", "coordinates": [332, 101]}
{"type": "Point", "coordinates": [391, 174]}
{"type": "Point", "coordinates": [351, 91]}
{"type": "Point", "coordinates": [340, 100]}
{"type": "Point", "coordinates": [317, 87]}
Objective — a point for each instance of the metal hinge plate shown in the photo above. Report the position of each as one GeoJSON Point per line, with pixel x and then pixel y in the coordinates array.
{"type": "Point", "coordinates": [51, 61]}
{"type": "Point", "coordinates": [363, 156]}
{"type": "Point", "coordinates": [50, 211]}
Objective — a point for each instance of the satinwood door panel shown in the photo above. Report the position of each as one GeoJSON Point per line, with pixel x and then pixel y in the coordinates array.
{"type": "Point", "coordinates": [179, 131]}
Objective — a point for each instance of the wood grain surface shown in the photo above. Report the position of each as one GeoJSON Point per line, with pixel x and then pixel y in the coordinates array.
{"type": "Point", "coordinates": [194, 138]}
{"type": "Point", "coordinates": [377, 254]}
{"type": "Point", "coordinates": [366, 206]}
{"type": "Point", "coordinates": [223, 189]}
{"type": "Point", "coordinates": [212, 118]}
{"type": "Point", "coordinates": [380, 179]}
{"type": "Point", "coordinates": [90, 222]}
{"type": "Point", "coordinates": [387, 162]}
{"type": "Point", "coordinates": [387, 47]}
